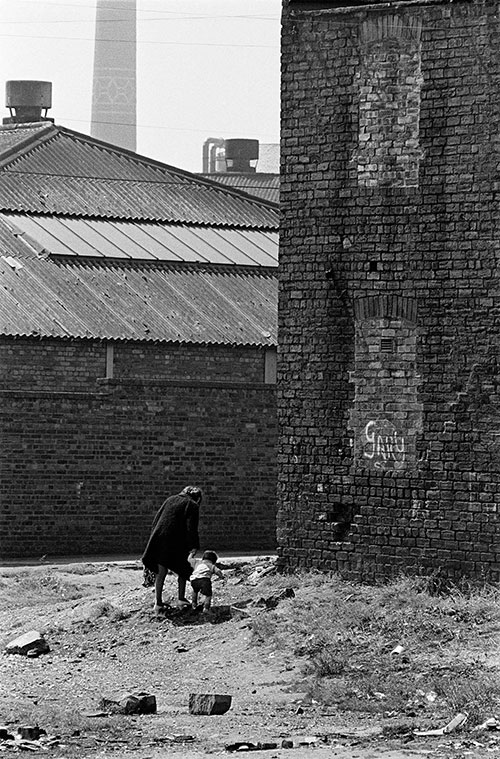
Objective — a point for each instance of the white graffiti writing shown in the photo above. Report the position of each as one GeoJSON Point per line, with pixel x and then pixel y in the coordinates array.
{"type": "Point", "coordinates": [383, 445]}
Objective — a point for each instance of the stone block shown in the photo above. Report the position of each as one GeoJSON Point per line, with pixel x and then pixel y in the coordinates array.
{"type": "Point", "coordinates": [209, 703]}
{"type": "Point", "coordinates": [238, 612]}
{"type": "Point", "coordinates": [32, 643]}
{"type": "Point", "coordinates": [30, 732]}
{"type": "Point", "coordinates": [130, 703]}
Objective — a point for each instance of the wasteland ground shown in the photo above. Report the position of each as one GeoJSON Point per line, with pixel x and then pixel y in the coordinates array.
{"type": "Point", "coordinates": [341, 670]}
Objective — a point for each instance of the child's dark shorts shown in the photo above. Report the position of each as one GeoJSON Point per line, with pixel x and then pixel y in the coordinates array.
{"type": "Point", "coordinates": [202, 585]}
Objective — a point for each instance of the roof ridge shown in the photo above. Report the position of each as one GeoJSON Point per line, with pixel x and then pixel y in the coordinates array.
{"type": "Point", "coordinates": [56, 170]}
{"type": "Point", "coordinates": [24, 146]}
{"type": "Point", "coordinates": [190, 176]}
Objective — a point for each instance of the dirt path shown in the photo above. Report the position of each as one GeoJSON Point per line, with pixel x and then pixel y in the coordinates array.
{"type": "Point", "coordinates": [105, 641]}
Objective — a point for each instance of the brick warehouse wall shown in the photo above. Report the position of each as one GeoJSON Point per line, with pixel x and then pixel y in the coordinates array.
{"type": "Point", "coordinates": [84, 473]}
{"type": "Point", "coordinates": [75, 365]}
{"type": "Point", "coordinates": [86, 459]}
{"type": "Point", "coordinates": [388, 391]}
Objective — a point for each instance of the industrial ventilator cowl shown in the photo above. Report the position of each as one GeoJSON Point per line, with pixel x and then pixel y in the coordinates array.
{"type": "Point", "coordinates": [26, 99]}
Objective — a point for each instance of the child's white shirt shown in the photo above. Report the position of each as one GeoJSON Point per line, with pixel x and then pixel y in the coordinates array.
{"type": "Point", "coordinates": [205, 568]}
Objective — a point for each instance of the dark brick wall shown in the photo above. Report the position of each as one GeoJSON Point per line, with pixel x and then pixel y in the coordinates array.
{"type": "Point", "coordinates": [75, 365]}
{"type": "Point", "coordinates": [85, 461]}
{"type": "Point", "coordinates": [43, 364]}
{"type": "Point", "coordinates": [388, 395]}
{"type": "Point", "coordinates": [84, 473]}
{"type": "Point", "coordinates": [220, 363]}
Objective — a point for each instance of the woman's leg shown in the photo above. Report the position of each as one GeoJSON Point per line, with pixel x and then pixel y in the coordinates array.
{"type": "Point", "coordinates": [181, 584]}
{"type": "Point", "coordinates": [159, 582]}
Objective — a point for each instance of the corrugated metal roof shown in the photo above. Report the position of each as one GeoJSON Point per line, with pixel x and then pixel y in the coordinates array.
{"type": "Point", "coordinates": [132, 300]}
{"type": "Point", "coordinates": [266, 186]}
{"type": "Point", "coordinates": [65, 172]}
{"type": "Point", "coordinates": [153, 241]}
{"type": "Point", "coordinates": [12, 136]}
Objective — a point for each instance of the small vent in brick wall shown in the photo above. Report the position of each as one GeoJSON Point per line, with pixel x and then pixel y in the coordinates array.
{"type": "Point", "coordinates": [386, 345]}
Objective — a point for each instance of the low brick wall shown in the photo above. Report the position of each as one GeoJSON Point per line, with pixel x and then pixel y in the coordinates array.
{"type": "Point", "coordinates": [69, 365]}
{"type": "Point", "coordinates": [84, 473]}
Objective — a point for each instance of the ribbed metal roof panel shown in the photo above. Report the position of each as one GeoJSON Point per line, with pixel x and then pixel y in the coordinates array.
{"type": "Point", "coordinates": [131, 300]}
{"type": "Point", "coordinates": [146, 240]}
{"type": "Point", "coordinates": [265, 186]}
{"type": "Point", "coordinates": [65, 172]}
{"type": "Point", "coordinates": [14, 135]}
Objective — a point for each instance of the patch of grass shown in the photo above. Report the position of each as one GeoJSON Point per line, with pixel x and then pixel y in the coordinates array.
{"type": "Point", "coordinates": [25, 588]}
{"type": "Point", "coordinates": [83, 569]}
{"type": "Point", "coordinates": [346, 635]}
{"type": "Point", "coordinates": [106, 609]}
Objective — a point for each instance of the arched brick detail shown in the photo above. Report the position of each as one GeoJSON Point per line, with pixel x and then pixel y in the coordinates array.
{"type": "Point", "coordinates": [386, 415]}
{"type": "Point", "coordinates": [385, 306]}
{"type": "Point", "coordinates": [389, 84]}
{"type": "Point", "coordinates": [390, 26]}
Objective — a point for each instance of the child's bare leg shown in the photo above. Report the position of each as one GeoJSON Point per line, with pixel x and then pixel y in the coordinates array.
{"type": "Point", "coordinates": [207, 603]}
{"type": "Point", "coordinates": [194, 599]}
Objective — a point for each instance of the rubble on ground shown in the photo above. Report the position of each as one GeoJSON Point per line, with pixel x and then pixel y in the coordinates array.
{"type": "Point", "coordinates": [129, 703]}
{"type": "Point", "coordinates": [30, 644]}
{"type": "Point", "coordinates": [209, 703]}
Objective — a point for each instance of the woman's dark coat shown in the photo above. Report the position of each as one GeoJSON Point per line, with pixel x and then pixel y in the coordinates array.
{"type": "Point", "coordinates": [173, 535]}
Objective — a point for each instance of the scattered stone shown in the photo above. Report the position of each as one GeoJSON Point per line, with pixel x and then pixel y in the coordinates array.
{"type": "Point", "coordinates": [286, 743]}
{"type": "Point", "coordinates": [272, 601]}
{"type": "Point", "coordinates": [181, 738]}
{"type": "Point", "coordinates": [265, 746]}
{"type": "Point", "coordinates": [397, 650]}
{"type": "Point", "coordinates": [95, 714]}
{"type": "Point", "coordinates": [259, 573]}
{"type": "Point", "coordinates": [242, 746]}
{"type": "Point", "coordinates": [130, 703]}
{"type": "Point", "coordinates": [358, 733]}
{"type": "Point", "coordinates": [175, 738]}
{"type": "Point", "coordinates": [492, 723]}
{"type": "Point", "coordinates": [30, 732]}
{"type": "Point", "coordinates": [310, 740]}
{"type": "Point", "coordinates": [29, 745]}
{"type": "Point", "coordinates": [32, 641]}
{"type": "Point", "coordinates": [248, 746]}
{"type": "Point", "coordinates": [5, 734]}
{"type": "Point", "coordinates": [238, 611]}
{"type": "Point", "coordinates": [209, 703]}
{"type": "Point", "coordinates": [457, 721]}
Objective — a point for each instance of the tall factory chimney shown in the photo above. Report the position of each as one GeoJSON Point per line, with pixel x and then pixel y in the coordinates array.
{"type": "Point", "coordinates": [114, 84]}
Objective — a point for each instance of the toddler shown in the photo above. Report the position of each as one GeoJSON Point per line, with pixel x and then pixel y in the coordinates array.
{"type": "Point", "coordinates": [201, 579]}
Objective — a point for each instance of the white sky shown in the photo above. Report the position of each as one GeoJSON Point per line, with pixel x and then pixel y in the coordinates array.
{"type": "Point", "coordinates": [205, 68]}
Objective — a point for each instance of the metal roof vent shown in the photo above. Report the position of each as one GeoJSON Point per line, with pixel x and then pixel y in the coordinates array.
{"type": "Point", "coordinates": [26, 99]}
{"type": "Point", "coordinates": [241, 155]}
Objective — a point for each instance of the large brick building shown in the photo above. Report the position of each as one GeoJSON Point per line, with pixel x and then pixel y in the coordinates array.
{"type": "Point", "coordinates": [389, 322]}
{"type": "Point", "coordinates": [138, 324]}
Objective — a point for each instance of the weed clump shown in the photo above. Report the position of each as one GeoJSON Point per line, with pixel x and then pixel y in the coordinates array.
{"type": "Point", "coordinates": [399, 647]}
